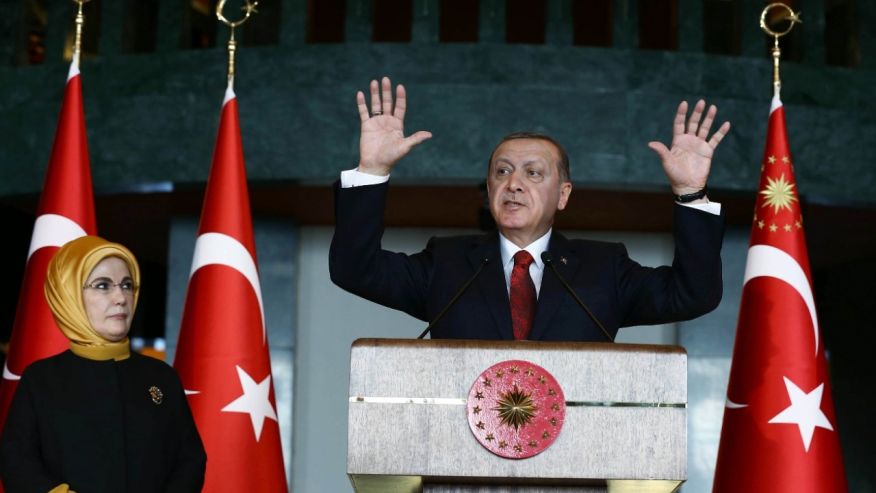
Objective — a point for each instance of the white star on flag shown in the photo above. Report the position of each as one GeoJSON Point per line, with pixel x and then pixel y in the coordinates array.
{"type": "Point", "coordinates": [804, 411]}
{"type": "Point", "coordinates": [254, 401]}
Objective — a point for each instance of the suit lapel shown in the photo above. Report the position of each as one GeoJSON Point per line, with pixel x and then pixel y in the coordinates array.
{"type": "Point", "coordinates": [552, 293]}
{"type": "Point", "coordinates": [491, 283]}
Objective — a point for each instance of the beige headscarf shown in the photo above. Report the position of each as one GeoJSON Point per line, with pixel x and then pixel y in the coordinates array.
{"type": "Point", "coordinates": [65, 279]}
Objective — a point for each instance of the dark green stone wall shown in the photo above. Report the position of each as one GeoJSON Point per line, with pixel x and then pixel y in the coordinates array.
{"type": "Point", "coordinates": [152, 118]}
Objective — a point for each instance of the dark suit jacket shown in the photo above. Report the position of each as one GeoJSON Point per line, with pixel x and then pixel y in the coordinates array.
{"type": "Point", "coordinates": [94, 425]}
{"type": "Point", "coordinates": [618, 290]}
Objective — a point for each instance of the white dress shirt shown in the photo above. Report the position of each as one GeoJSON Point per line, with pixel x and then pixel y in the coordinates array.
{"type": "Point", "coordinates": [536, 268]}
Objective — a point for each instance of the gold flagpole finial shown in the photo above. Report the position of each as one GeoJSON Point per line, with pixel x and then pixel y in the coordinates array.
{"type": "Point", "coordinates": [785, 14]}
{"type": "Point", "coordinates": [248, 8]}
{"type": "Point", "coordinates": [80, 22]}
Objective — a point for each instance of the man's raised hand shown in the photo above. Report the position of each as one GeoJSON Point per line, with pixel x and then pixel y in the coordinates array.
{"type": "Point", "coordinates": [382, 141]}
{"type": "Point", "coordinates": [688, 163]}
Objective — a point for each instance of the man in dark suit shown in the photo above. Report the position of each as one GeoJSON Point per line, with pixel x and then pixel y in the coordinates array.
{"type": "Point", "coordinates": [514, 293]}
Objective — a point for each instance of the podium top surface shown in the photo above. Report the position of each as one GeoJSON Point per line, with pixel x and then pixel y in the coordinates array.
{"type": "Point", "coordinates": [610, 372]}
{"type": "Point", "coordinates": [469, 344]}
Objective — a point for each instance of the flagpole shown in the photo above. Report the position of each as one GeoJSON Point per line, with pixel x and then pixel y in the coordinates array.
{"type": "Point", "coordinates": [792, 18]}
{"type": "Point", "coordinates": [249, 8]}
{"type": "Point", "coordinates": [80, 22]}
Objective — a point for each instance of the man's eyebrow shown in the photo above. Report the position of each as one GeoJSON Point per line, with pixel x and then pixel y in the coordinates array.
{"type": "Point", "coordinates": [526, 163]}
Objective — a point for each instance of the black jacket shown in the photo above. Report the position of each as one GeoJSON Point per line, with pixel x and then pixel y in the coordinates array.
{"type": "Point", "coordinates": [98, 427]}
{"type": "Point", "coordinates": [618, 290]}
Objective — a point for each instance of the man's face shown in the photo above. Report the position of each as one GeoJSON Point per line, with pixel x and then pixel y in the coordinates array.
{"type": "Point", "coordinates": [525, 188]}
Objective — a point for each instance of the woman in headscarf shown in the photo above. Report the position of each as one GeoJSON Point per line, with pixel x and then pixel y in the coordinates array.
{"type": "Point", "coordinates": [97, 417]}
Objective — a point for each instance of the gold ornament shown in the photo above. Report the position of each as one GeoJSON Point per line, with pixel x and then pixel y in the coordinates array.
{"type": "Point", "coordinates": [156, 395]}
{"type": "Point", "coordinates": [516, 408]}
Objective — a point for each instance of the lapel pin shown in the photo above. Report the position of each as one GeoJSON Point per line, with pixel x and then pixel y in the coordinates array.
{"type": "Point", "coordinates": [156, 395]}
{"type": "Point", "coordinates": [564, 260]}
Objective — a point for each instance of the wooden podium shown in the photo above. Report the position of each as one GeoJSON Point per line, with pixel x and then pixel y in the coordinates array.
{"type": "Point", "coordinates": [625, 426]}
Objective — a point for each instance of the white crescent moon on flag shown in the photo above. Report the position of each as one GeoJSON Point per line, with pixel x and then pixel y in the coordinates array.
{"type": "Point", "coordinates": [769, 261]}
{"type": "Point", "coordinates": [221, 249]}
{"type": "Point", "coordinates": [8, 375]}
{"type": "Point", "coordinates": [53, 230]}
{"type": "Point", "coordinates": [733, 405]}
{"type": "Point", "coordinates": [49, 230]}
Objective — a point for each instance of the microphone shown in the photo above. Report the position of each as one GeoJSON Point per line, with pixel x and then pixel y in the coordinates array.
{"type": "Point", "coordinates": [452, 302]}
{"type": "Point", "coordinates": [549, 261]}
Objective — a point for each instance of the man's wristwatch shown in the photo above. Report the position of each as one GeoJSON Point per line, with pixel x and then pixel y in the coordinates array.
{"type": "Point", "coordinates": [690, 197]}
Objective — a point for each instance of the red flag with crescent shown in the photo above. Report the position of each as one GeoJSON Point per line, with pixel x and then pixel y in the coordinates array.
{"type": "Point", "coordinates": [223, 356]}
{"type": "Point", "coordinates": [780, 431]}
{"type": "Point", "coordinates": [65, 212]}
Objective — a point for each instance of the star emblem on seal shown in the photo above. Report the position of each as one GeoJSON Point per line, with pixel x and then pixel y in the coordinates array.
{"type": "Point", "coordinates": [516, 408]}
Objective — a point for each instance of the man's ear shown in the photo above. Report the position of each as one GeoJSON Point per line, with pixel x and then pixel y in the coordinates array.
{"type": "Point", "coordinates": [565, 192]}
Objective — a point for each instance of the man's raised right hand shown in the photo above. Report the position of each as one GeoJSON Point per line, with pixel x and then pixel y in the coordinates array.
{"type": "Point", "coordinates": [382, 141]}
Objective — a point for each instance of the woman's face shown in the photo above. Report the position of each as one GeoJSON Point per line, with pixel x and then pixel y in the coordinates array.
{"type": "Point", "coordinates": [108, 296]}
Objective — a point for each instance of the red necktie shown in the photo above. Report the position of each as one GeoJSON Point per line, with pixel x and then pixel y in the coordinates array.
{"type": "Point", "coordinates": [523, 300]}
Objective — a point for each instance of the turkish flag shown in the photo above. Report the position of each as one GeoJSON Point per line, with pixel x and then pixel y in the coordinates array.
{"type": "Point", "coordinates": [223, 357]}
{"type": "Point", "coordinates": [779, 433]}
{"type": "Point", "coordinates": [65, 212]}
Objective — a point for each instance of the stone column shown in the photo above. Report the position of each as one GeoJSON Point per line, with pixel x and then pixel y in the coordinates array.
{"type": "Point", "coordinates": [60, 17]}
{"type": "Point", "coordinates": [867, 39]}
{"type": "Point", "coordinates": [559, 23]}
{"type": "Point", "coordinates": [426, 21]}
{"type": "Point", "coordinates": [492, 21]}
{"type": "Point", "coordinates": [690, 26]}
{"type": "Point", "coordinates": [112, 24]}
{"type": "Point", "coordinates": [171, 15]}
{"type": "Point", "coordinates": [293, 26]}
{"type": "Point", "coordinates": [358, 28]}
{"type": "Point", "coordinates": [625, 21]}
